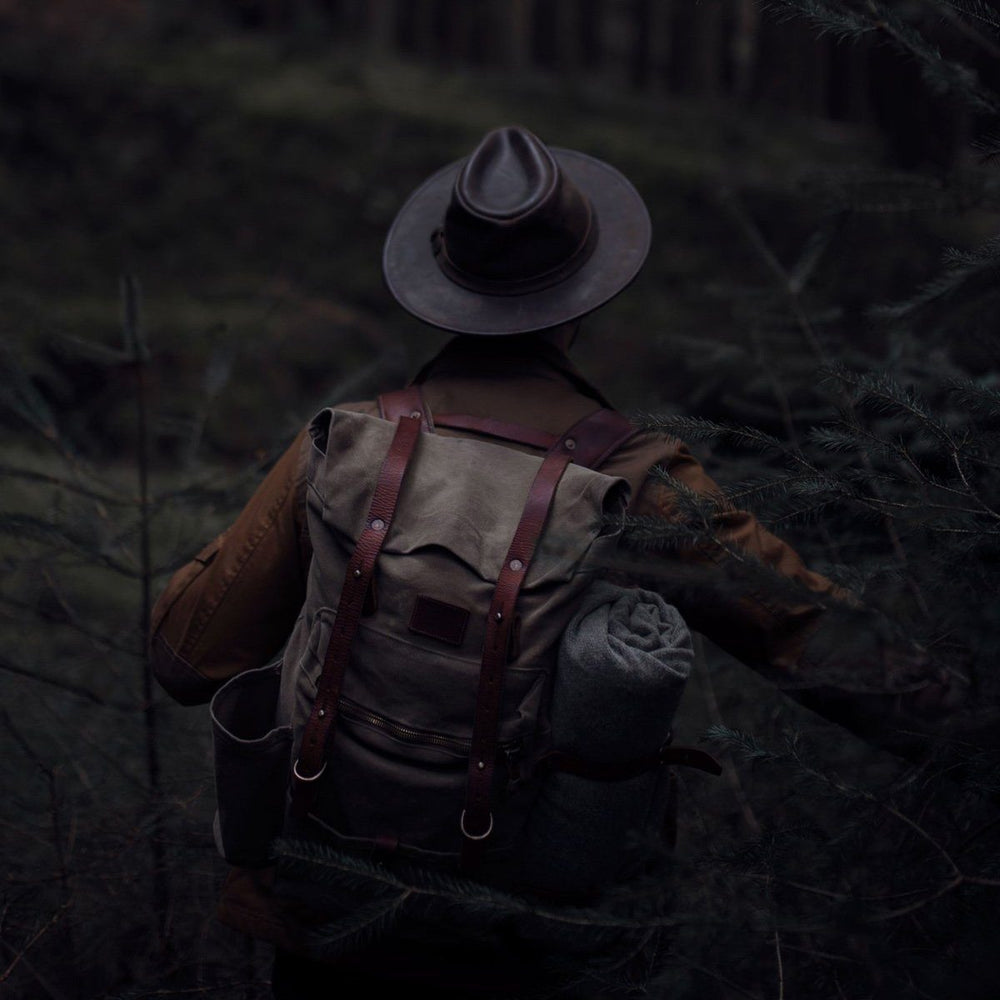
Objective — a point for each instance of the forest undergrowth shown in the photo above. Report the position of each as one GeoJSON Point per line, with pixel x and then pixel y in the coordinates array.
{"type": "Point", "coordinates": [821, 330]}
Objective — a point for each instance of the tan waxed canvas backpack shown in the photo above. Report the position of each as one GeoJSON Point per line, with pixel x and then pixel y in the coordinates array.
{"type": "Point", "coordinates": [413, 696]}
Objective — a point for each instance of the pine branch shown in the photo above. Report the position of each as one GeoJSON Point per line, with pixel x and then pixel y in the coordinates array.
{"type": "Point", "coordinates": [976, 10]}
{"type": "Point", "coordinates": [962, 268]}
{"type": "Point", "coordinates": [743, 743]}
{"type": "Point", "coordinates": [943, 76]}
{"type": "Point", "coordinates": [697, 510]}
{"type": "Point", "coordinates": [317, 860]}
{"type": "Point", "coordinates": [361, 928]}
{"type": "Point", "coordinates": [28, 527]}
{"type": "Point", "coordinates": [988, 146]}
{"type": "Point", "coordinates": [837, 20]}
{"type": "Point", "coordinates": [648, 534]}
{"type": "Point", "coordinates": [748, 747]}
{"type": "Point", "coordinates": [880, 392]}
{"type": "Point", "coordinates": [701, 429]}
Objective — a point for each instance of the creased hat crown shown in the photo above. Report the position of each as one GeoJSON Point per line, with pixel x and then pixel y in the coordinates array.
{"type": "Point", "coordinates": [515, 222]}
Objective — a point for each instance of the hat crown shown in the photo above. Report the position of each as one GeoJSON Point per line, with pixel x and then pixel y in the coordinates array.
{"type": "Point", "coordinates": [508, 174]}
{"type": "Point", "coordinates": [516, 236]}
{"type": "Point", "coordinates": [515, 223]}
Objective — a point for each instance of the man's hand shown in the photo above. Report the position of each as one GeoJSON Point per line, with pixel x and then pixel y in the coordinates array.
{"type": "Point", "coordinates": [860, 671]}
{"type": "Point", "coordinates": [861, 651]}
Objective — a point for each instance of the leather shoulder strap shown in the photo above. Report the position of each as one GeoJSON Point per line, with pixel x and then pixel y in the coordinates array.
{"type": "Point", "coordinates": [408, 402]}
{"type": "Point", "coordinates": [476, 821]}
{"type": "Point", "coordinates": [594, 438]}
{"type": "Point", "coordinates": [588, 442]}
{"type": "Point", "coordinates": [502, 429]}
{"type": "Point", "coordinates": [357, 581]}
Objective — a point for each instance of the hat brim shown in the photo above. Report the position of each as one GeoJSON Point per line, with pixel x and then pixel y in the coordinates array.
{"type": "Point", "coordinates": [422, 288]}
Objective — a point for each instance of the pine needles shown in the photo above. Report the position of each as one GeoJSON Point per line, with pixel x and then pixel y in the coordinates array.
{"type": "Point", "coordinates": [367, 900]}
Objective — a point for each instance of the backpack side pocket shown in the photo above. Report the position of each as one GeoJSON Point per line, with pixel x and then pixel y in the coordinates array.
{"type": "Point", "coordinates": [252, 762]}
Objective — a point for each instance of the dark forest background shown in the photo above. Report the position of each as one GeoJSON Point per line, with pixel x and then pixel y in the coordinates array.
{"type": "Point", "coordinates": [194, 198]}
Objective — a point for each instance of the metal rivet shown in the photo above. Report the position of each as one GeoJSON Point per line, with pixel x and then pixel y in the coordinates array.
{"type": "Point", "coordinates": [499, 616]}
{"type": "Point", "coordinates": [357, 574]}
{"type": "Point", "coordinates": [378, 524]}
{"type": "Point", "coordinates": [570, 444]}
{"type": "Point", "coordinates": [516, 565]}
{"type": "Point", "coordinates": [321, 712]}
{"type": "Point", "coordinates": [416, 413]}
{"type": "Point", "coordinates": [481, 765]}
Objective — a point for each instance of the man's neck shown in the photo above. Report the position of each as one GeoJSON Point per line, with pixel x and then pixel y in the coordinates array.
{"type": "Point", "coordinates": [563, 336]}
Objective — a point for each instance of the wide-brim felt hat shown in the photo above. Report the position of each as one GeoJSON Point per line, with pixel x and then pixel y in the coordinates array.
{"type": "Point", "coordinates": [516, 237]}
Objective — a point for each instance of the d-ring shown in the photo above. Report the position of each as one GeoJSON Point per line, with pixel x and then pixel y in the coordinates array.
{"type": "Point", "coordinates": [302, 777]}
{"type": "Point", "coordinates": [469, 836]}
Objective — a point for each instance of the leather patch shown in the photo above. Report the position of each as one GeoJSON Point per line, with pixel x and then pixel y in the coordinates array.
{"type": "Point", "coordinates": [439, 620]}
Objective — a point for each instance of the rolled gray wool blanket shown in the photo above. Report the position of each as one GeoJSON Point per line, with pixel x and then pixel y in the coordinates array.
{"type": "Point", "coordinates": [623, 662]}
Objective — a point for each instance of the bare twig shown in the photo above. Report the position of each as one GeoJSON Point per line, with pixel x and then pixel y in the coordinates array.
{"type": "Point", "coordinates": [791, 292]}
{"type": "Point", "coordinates": [191, 991]}
{"type": "Point", "coordinates": [781, 966]}
{"type": "Point", "coordinates": [76, 689]}
{"type": "Point", "coordinates": [32, 475]}
{"type": "Point", "coordinates": [35, 938]}
{"type": "Point", "coordinates": [923, 833]}
{"type": "Point", "coordinates": [135, 344]}
{"type": "Point", "coordinates": [717, 976]}
{"type": "Point", "coordinates": [731, 776]}
{"type": "Point", "coordinates": [920, 903]}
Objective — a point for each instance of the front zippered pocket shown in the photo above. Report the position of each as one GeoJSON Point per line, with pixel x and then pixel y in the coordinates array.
{"type": "Point", "coordinates": [403, 734]}
{"type": "Point", "coordinates": [389, 782]}
{"type": "Point", "coordinates": [413, 736]}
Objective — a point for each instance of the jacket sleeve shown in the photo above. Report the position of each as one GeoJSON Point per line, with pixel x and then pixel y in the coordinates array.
{"type": "Point", "coordinates": [234, 604]}
{"type": "Point", "coordinates": [751, 594]}
{"type": "Point", "coordinates": [746, 590]}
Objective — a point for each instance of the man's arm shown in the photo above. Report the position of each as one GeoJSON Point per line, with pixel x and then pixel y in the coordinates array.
{"type": "Point", "coordinates": [751, 594]}
{"type": "Point", "coordinates": [233, 606]}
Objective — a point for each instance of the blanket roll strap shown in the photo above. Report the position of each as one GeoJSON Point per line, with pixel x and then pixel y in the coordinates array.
{"type": "Point", "coordinates": [252, 761]}
{"type": "Point", "coordinates": [623, 663]}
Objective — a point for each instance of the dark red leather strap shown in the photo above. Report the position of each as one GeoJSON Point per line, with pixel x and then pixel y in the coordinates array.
{"type": "Point", "coordinates": [598, 770]}
{"type": "Point", "coordinates": [501, 429]}
{"type": "Point", "coordinates": [408, 402]}
{"type": "Point", "coordinates": [588, 442]}
{"type": "Point", "coordinates": [591, 440]}
{"type": "Point", "coordinates": [357, 581]}
{"type": "Point", "coordinates": [477, 818]}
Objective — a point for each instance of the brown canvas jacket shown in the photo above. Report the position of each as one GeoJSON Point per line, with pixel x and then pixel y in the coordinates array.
{"type": "Point", "coordinates": [233, 606]}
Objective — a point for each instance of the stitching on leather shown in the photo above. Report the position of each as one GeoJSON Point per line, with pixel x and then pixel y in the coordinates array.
{"type": "Point", "coordinates": [211, 606]}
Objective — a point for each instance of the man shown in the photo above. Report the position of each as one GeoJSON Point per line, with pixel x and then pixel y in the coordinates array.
{"type": "Point", "coordinates": [509, 248]}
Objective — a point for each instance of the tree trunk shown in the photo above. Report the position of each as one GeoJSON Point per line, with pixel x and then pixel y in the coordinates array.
{"type": "Point", "coordinates": [519, 19]}
{"type": "Point", "coordinates": [743, 48]}
{"type": "Point", "coordinates": [381, 26]}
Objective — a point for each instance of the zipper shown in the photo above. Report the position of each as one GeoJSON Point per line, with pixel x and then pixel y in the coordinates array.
{"type": "Point", "coordinates": [422, 737]}
{"type": "Point", "coordinates": [352, 710]}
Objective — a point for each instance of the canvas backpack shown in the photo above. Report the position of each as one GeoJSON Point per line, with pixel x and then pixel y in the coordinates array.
{"type": "Point", "coordinates": [414, 691]}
